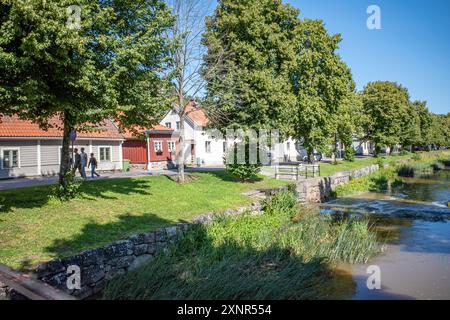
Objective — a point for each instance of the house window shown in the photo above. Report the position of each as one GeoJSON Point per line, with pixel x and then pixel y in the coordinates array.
{"type": "Point", "coordinates": [171, 145]}
{"type": "Point", "coordinates": [10, 158]}
{"type": "Point", "coordinates": [105, 153]}
{"type": "Point", "coordinates": [168, 124]}
{"type": "Point", "coordinates": [208, 146]}
{"type": "Point", "coordinates": [178, 125]}
{"type": "Point", "coordinates": [158, 146]}
{"type": "Point", "coordinates": [224, 147]}
{"type": "Point", "coordinates": [288, 146]}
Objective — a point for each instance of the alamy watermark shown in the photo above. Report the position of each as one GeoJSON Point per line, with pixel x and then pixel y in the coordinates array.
{"type": "Point", "coordinates": [374, 20]}
{"type": "Point", "coordinates": [73, 277]}
{"type": "Point", "coordinates": [374, 280]}
{"type": "Point", "coordinates": [73, 17]}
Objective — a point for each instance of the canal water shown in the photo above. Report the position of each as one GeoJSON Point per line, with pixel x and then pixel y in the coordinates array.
{"type": "Point", "coordinates": [412, 220]}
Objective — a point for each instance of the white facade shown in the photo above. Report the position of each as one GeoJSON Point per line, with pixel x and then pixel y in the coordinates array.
{"type": "Point", "coordinates": [207, 150]}
{"type": "Point", "coordinates": [26, 157]}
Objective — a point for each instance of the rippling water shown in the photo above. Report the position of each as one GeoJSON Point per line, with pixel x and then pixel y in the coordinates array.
{"type": "Point", "coordinates": [413, 220]}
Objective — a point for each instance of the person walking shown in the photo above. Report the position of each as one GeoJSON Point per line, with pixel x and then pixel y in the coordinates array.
{"type": "Point", "coordinates": [76, 162]}
{"type": "Point", "coordinates": [93, 164]}
{"type": "Point", "coordinates": [84, 163]}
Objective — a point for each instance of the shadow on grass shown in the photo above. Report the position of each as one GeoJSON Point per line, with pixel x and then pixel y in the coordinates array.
{"type": "Point", "coordinates": [198, 268]}
{"type": "Point", "coordinates": [35, 197]}
{"type": "Point", "coordinates": [94, 235]}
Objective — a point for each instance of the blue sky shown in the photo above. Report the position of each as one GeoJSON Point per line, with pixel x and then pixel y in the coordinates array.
{"type": "Point", "coordinates": [412, 48]}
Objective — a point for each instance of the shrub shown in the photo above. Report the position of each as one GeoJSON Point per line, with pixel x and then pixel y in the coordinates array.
{"type": "Point", "coordinates": [68, 192]}
{"type": "Point", "coordinates": [282, 202]}
{"type": "Point", "coordinates": [246, 171]}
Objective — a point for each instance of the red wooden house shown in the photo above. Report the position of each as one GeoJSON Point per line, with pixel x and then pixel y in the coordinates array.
{"type": "Point", "coordinates": [151, 149]}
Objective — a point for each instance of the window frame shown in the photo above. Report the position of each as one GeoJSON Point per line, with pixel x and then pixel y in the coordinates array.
{"type": "Point", "coordinates": [178, 125]}
{"type": "Point", "coordinates": [18, 157]}
{"type": "Point", "coordinates": [168, 125]}
{"type": "Point", "coordinates": [169, 142]}
{"type": "Point", "coordinates": [100, 154]}
{"type": "Point", "coordinates": [208, 143]}
{"type": "Point", "coordinates": [154, 146]}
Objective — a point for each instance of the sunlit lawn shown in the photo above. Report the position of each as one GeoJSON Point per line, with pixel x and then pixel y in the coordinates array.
{"type": "Point", "coordinates": [35, 227]}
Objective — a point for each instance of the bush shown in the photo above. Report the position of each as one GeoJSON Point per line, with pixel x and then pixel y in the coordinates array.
{"type": "Point", "coordinates": [282, 202]}
{"type": "Point", "coordinates": [68, 192]}
{"type": "Point", "coordinates": [243, 171]}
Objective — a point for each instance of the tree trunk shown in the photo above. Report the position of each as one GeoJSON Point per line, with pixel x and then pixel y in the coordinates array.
{"type": "Point", "coordinates": [335, 148]}
{"type": "Point", "coordinates": [65, 151]}
{"type": "Point", "coordinates": [180, 156]}
{"type": "Point", "coordinates": [376, 150]}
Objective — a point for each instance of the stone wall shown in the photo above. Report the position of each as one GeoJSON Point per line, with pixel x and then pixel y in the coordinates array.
{"type": "Point", "coordinates": [320, 189]}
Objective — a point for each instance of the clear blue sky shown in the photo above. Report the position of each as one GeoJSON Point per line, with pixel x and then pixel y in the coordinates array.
{"type": "Point", "coordinates": [412, 48]}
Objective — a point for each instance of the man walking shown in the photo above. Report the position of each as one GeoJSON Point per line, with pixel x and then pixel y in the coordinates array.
{"type": "Point", "coordinates": [84, 162]}
{"type": "Point", "coordinates": [93, 164]}
{"type": "Point", "coordinates": [76, 162]}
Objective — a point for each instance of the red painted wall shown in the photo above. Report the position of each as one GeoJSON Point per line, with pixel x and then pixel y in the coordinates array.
{"type": "Point", "coordinates": [135, 151]}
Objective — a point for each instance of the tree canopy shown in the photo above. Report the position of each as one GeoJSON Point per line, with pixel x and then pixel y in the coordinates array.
{"type": "Point", "coordinates": [110, 65]}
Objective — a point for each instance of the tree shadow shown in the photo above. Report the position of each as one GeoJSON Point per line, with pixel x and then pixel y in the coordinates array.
{"type": "Point", "coordinates": [95, 235]}
{"type": "Point", "coordinates": [36, 197]}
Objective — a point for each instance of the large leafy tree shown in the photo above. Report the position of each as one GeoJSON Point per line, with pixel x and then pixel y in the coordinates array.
{"type": "Point", "coordinates": [323, 87]}
{"type": "Point", "coordinates": [109, 65]}
{"type": "Point", "coordinates": [387, 105]}
{"type": "Point", "coordinates": [250, 51]}
{"type": "Point", "coordinates": [417, 125]}
{"type": "Point", "coordinates": [439, 134]}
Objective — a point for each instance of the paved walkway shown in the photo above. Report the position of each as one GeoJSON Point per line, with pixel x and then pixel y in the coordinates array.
{"type": "Point", "coordinates": [17, 183]}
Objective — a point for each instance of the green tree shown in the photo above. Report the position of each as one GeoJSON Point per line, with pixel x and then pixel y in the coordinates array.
{"type": "Point", "coordinates": [250, 51]}
{"type": "Point", "coordinates": [322, 84]}
{"type": "Point", "coordinates": [387, 105]}
{"type": "Point", "coordinates": [110, 64]}
{"type": "Point", "coordinates": [350, 123]}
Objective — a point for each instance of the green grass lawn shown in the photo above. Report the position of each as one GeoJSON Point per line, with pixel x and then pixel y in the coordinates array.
{"type": "Point", "coordinates": [35, 227]}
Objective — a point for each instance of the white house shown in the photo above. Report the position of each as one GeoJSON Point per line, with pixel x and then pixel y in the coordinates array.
{"type": "Point", "coordinates": [27, 150]}
{"type": "Point", "coordinates": [204, 149]}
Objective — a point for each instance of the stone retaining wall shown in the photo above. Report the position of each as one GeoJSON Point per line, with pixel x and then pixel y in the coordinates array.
{"type": "Point", "coordinates": [320, 189]}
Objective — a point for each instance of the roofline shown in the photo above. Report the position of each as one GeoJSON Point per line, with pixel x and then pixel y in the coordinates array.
{"type": "Point", "coordinates": [161, 132]}
{"type": "Point", "coordinates": [57, 138]}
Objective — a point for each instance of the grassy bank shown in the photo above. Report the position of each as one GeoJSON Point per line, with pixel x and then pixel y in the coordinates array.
{"type": "Point", "coordinates": [387, 177]}
{"type": "Point", "coordinates": [283, 254]}
{"type": "Point", "coordinates": [35, 227]}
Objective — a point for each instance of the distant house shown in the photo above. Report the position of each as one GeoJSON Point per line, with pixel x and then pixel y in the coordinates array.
{"type": "Point", "coordinates": [155, 148]}
{"type": "Point", "coordinates": [200, 147]}
{"type": "Point", "coordinates": [27, 150]}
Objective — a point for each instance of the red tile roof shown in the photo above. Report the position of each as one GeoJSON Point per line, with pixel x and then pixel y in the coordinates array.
{"type": "Point", "coordinates": [196, 114]}
{"type": "Point", "coordinates": [128, 134]}
{"type": "Point", "coordinates": [12, 126]}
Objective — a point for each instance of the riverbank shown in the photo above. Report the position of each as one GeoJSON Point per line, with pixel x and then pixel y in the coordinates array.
{"type": "Point", "coordinates": [387, 177]}
{"type": "Point", "coordinates": [286, 253]}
